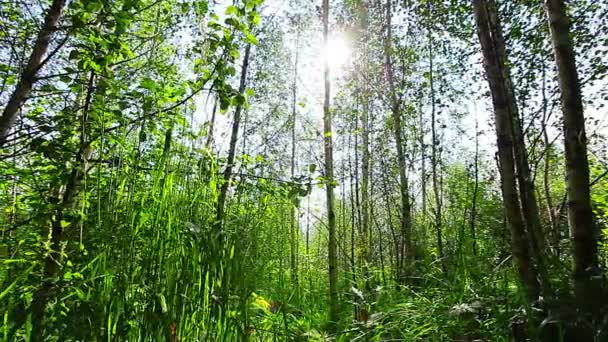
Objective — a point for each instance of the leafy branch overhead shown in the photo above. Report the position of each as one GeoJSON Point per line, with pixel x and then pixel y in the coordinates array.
{"type": "Point", "coordinates": [194, 170]}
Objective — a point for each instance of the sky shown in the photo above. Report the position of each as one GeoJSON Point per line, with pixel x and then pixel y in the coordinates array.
{"type": "Point", "coordinates": [338, 51]}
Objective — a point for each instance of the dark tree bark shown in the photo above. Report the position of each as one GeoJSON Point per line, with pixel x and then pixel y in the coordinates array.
{"type": "Point", "coordinates": [503, 118]}
{"type": "Point", "coordinates": [527, 194]}
{"type": "Point", "coordinates": [580, 215]}
{"type": "Point", "coordinates": [525, 182]}
{"type": "Point", "coordinates": [221, 202]}
{"type": "Point", "coordinates": [28, 76]}
{"type": "Point", "coordinates": [329, 179]}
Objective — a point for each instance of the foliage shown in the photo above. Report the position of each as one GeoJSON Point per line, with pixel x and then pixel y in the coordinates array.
{"type": "Point", "coordinates": [112, 175]}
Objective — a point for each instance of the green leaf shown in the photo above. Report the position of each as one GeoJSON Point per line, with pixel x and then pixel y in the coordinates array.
{"type": "Point", "coordinates": [255, 19]}
{"type": "Point", "coordinates": [10, 80]}
{"type": "Point", "coordinates": [240, 99]}
{"type": "Point", "coordinates": [232, 10]}
{"type": "Point", "coordinates": [224, 104]}
{"type": "Point", "coordinates": [251, 38]}
{"type": "Point", "coordinates": [9, 288]}
{"type": "Point", "coordinates": [235, 54]}
{"type": "Point", "coordinates": [148, 83]}
{"type": "Point", "coordinates": [80, 294]}
{"type": "Point", "coordinates": [163, 302]}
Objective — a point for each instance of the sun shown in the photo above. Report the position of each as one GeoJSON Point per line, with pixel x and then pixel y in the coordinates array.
{"type": "Point", "coordinates": [338, 51]}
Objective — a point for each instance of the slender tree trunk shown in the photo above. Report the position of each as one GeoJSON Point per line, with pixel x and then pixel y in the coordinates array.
{"type": "Point", "coordinates": [395, 250]}
{"type": "Point", "coordinates": [219, 248]}
{"type": "Point", "coordinates": [329, 180]}
{"type": "Point", "coordinates": [52, 262]}
{"type": "Point", "coordinates": [365, 203]}
{"type": "Point", "coordinates": [357, 190]}
{"type": "Point", "coordinates": [580, 216]}
{"type": "Point", "coordinates": [364, 238]}
{"type": "Point", "coordinates": [555, 236]}
{"type": "Point", "coordinates": [34, 64]}
{"type": "Point", "coordinates": [380, 236]}
{"type": "Point", "coordinates": [422, 166]}
{"type": "Point", "coordinates": [245, 121]}
{"type": "Point", "coordinates": [503, 117]}
{"type": "Point", "coordinates": [435, 161]}
{"type": "Point", "coordinates": [527, 195]}
{"type": "Point", "coordinates": [475, 188]}
{"type": "Point", "coordinates": [294, 224]}
{"type": "Point", "coordinates": [210, 132]}
{"type": "Point", "coordinates": [525, 182]}
{"type": "Point", "coordinates": [221, 202]}
{"type": "Point", "coordinates": [406, 249]}
{"type": "Point", "coordinates": [309, 273]}
{"type": "Point", "coordinates": [342, 219]}
{"type": "Point", "coordinates": [353, 226]}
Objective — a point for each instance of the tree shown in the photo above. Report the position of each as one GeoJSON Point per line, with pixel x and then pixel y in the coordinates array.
{"type": "Point", "coordinates": [292, 168]}
{"type": "Point", "coordinates": [329, 179]}
{"type": "Point", "coordinates": [366, 162]}
{"type": "Point", "coordinates": [492, 47]}
{"type": "Point", "coordinates": [435, 145]}
{"type": "Point", "coordinates": [221, 202]}
{"type": "Point", "coordinates": [34, 64]}
{"type": "Point", "coordinates": [131, 208]}
{"type": "Point", "coordinates": [586, 270]}
{"type": "Point", "coordinates": [406, 249]}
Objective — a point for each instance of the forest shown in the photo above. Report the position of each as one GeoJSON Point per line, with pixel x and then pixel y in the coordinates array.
{"type": "Point", "coordinates": [303, 170]}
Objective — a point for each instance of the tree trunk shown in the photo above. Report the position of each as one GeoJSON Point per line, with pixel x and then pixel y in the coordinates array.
{"type": "Point", "coordinates": [434, 159]}
{"type": "Point", "coordinates": [475, 188]}
{"type": "Point", "coordinates": [547, 166]}
{"type": "Point", "coordinates": [28, 76]}
{"type": "Point", "coordinates": [308, 256]}
{"type": "Point", "coordinates": [52, 262]}
{"type": "Point", "coordinates": [406, 250]}
{"type": "Point", "coordinates": [395, 254]}
{"type": "Point", "coordinates": [422, 166]}
{"type": "Point", "coordinates": [209, 142]}
{"type": "Point", "coordinates": [293, 221]}
{"type": "Point", "coordinates": [221, 202]}
{"type": "Point", "coordinates": [365, 193]}
{"type": "Point", "coordinates": [329, 180]}
{"type": "Point", "coordinates": [527, 196]}
{"type": "Point", "coordinates": [364, 238]}
{"type": "Point", "coordinates": [503, 117]}
{"type": "Point", "coordinates": [353, 222]}
{"type": "Point", "coordinates": [580, 215]}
